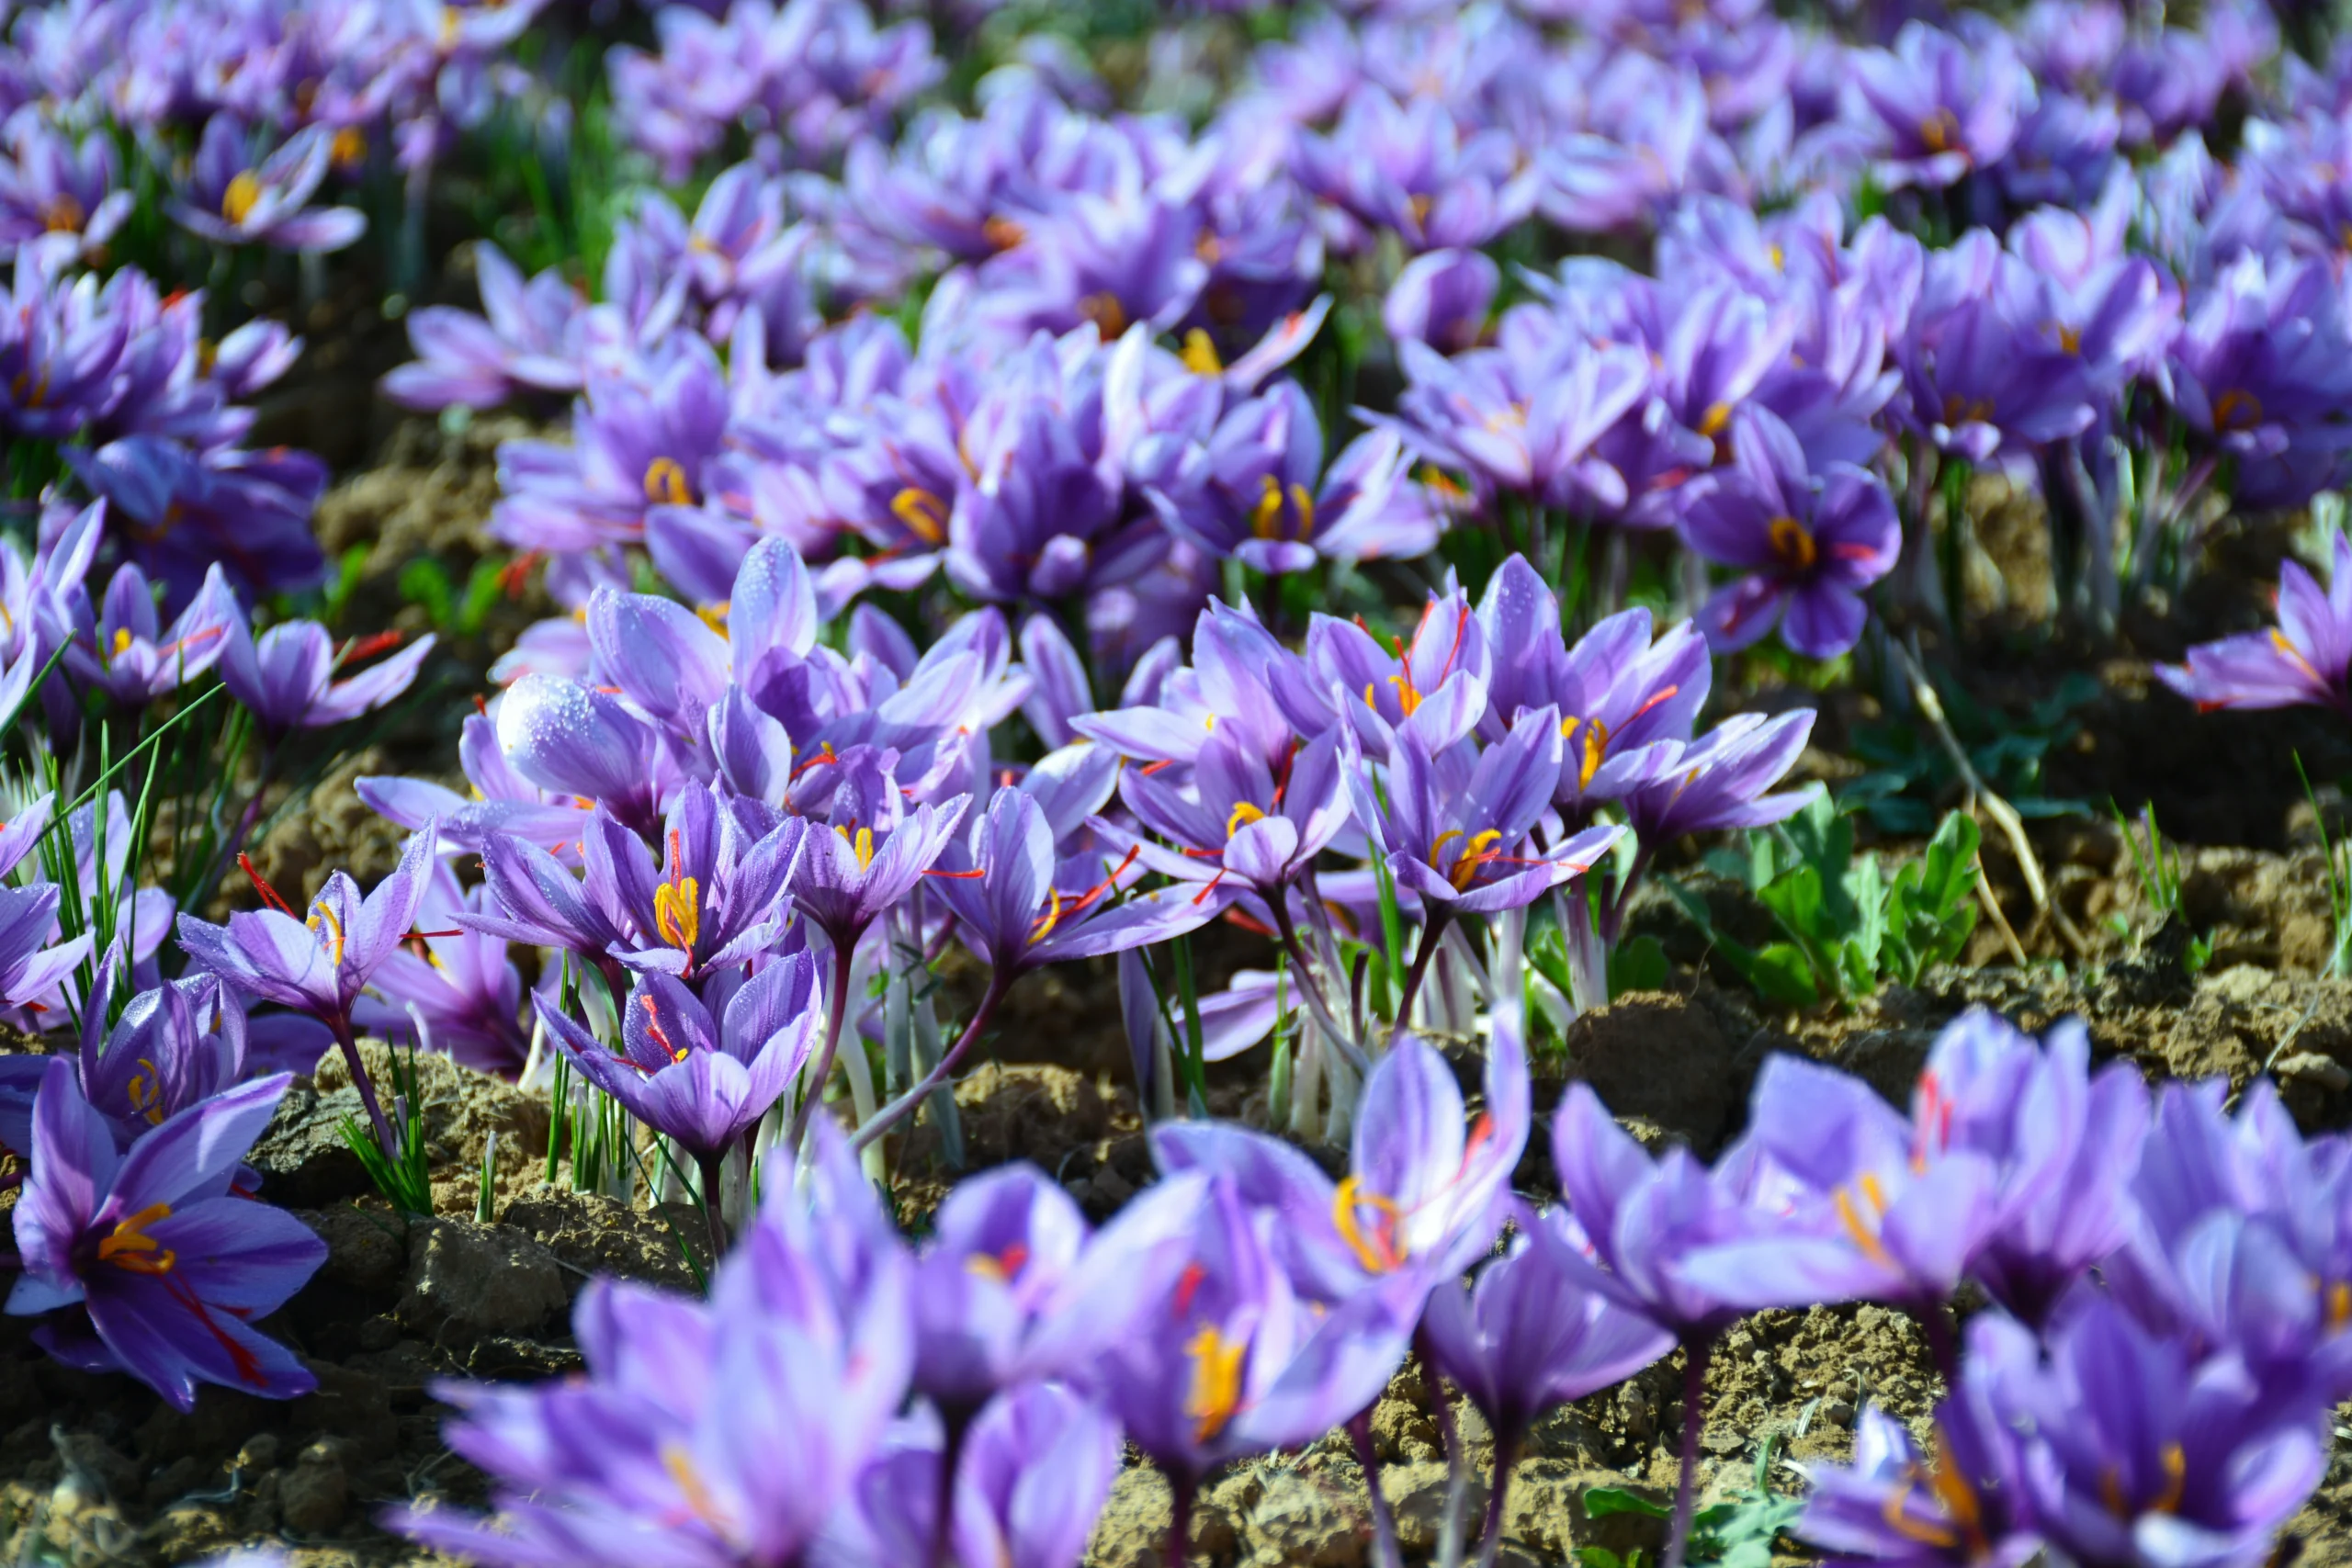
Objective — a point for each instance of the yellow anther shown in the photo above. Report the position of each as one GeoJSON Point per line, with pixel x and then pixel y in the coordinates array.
{"type": "Point", "coordinates": [862, 845]}
{"type": "Point", "coordinates": [1216, 1381]}
{"type": "Point", "coordinates": [121, 642]}
{"type": "Point", "coordinates": [1266, 517]}
{"type": "Point", "coordinates": [677, 911]}
{"type": "Point", "coordinates": [1242, 816]}
{"type": "Point", "coordinates": [1713, 422]}
{"type": "Point", "coordinates": [1473, 855]}
{"type": "Point", "coordinates": [1382, 1250]}
{"type": "Point", "coordinates": [666, 484]}
{"type": "Point", "coordinates": [128, 1245]}
{"type": "Point", "coordinates": [924, 515]}
{"type": "Point", "coordinates": [350, 147]}
{"type": "Point", "coordinates": [241, 197]}
{"type": "Point", "coordinates": [1792, 543]}
{"type": "Point", "coordinates": [321, 915]}
{"type": "Point", "coordinates": [1200, 354]}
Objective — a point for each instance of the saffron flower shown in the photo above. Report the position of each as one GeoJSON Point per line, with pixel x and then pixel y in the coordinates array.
{"type": "Point", "coordinates": [2303, 658]}
{"type": "Point", "coordinates": [1537, 1328]}
{"type": "Point", "coordinates": [147, 1263]}
{"type": "Point", "coordinates": [173, 1047]}
{"type": "Point", "coordinates": [1460, 842]}
{"type": "Point", "coordinates": [319, 964]}
{"type": "Point", "coordinates": [1217, 1356]}
{"type": "Point", "coordinates": [1031, 1476]}
{"type": "Point", "coordinates": [527, 339]}
{"type": "Point", "coordinates": [231, 201]}
{"type": "Point", "coordinates": [123, 651]}
{"type": "Point", "coordinates": [1001, 1249]}
{"type": "Point", "coordinates": [668, 1450]}
{"type": "Point", "coordinates": [705, 1080]}
{"type": "Point", "coordinates": [1724, 780]}
{"type": "Point", "coordinates": [461, 997]}
{"type": "Point", "coordinates": [1616, 692]}
{"type": "Point", "coordinates": [1424, 1196]}
{"type": "Point", "coordinates": [30, 969]}
{"type": "Point", "coordinates": [1808, 544]}
{"type": "Point", "coordinates": [287, 676]}
{"type": "Point", "coordinates": [2010, 1156]}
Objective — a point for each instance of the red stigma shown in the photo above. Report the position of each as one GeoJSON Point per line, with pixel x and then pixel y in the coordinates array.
{"type": "Point", "coordinates": [269, 896]}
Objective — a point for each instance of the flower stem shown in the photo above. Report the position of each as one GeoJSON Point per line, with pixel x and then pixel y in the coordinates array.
{"type": "Point", "coordinates": [1432, 933]}
{"type": "Point", "coordinates": [341, 1024]}
{"type": "Point", "coordinates": [953, 1426]}
{"type": "Point", "coordinates": [1384, 1528]}
{"type": "Point", "coordinates": [1457, 1470]}
{"type": "Point", "coordinates": [1694, 1416]}
{"type": "Point", "coordinates": [712, 1165]}
{"type": "Point", "coordinates": [1179, 1521]}
{"type": "Point", "coordinates": [1941, 1347]}
{"type": "Point", "coordinates": [1506, 1455]}
{"type": "Point", "coordinates": [899, 1110]}
{"type": "Point", "coordinates": [1308, 986]}
{"type": "Point", "coordinates": [844, 954]}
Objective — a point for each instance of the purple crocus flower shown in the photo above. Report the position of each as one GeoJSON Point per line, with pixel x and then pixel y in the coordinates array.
{"type": "Point", "coordinates": [1962, 1504]}
{"type": "Point", "coordinates": [149, 1263]}
{"type": "Point", "coordinates": [571, 739]}
{"type": "Point", "coordinates": [1217, 1356]}
{"type": "Point", "coordinates": [1938, 105]}
{"type": "Point", "coordinates": [642, 439]}
{"type": "Point", "coordinates": [1251, 490]}
{"type": "Point", "coordinates": [2014, 1166]}
{"type": "Point", "coordinates": [1648, 1219]}
{"type": "Point", "coordinates": [1031, 1476]}
{"type": "Point", "coordinates": [1407, 168]}
{"type": "Point", "coordinates": [231, 201]}
{"type": "Point", "coordinates": [1423, 1198]}
{"type": "Point", "coordinates": [123, 651]}
{"type": "Point", "coordinates": [1001, 1247]}
{"type": "Point", "coordinates": [1524, 416]}
{"type": "Point", "coordinates": [528, 338]}
{"type": "Point", "coordinates": [1441, 298]}
{"type": "Point", "coordinates": [717, 899]}
{"type": "Point", "coordinates": [2303, 658]}
{"type": "Point", "coordinates": [1015, 916]}
{"type": "Point", "coordinates": [1539, 1328]}
{"type": "Point", "coordinates": [51, 184]}
{"type": "Point", "coordinates": [1261, 825]}
{"type": "Point", "coordinates": [30, 970]}
{"type": "Point", "coordinates": [1456, 837]}
{"type": "Point", "coordinates": [287, 676]}
{"type": "Point", "coordinates": [705, 1081]}
{"type": "Point", "coordinates": [1809, 544]}
{"type": "Point", "coordinates": [319, 964]}
{"type": "Point", "coordinates": [2243, 1240]}
{"type": "Point", "coordinates": [2259, 373]}
{"type": "Point", "coordinates": [1721, 779]}
{"type": "Point", "coordinates": [500, 800]}
{"type": "Point", "coordinates": [462, 996]}
{"type": "Point", "coordinates": [2143, 1452]}
{"type": "Point", "coordinates": [668, 1450]}
{"type": "Point", "coordinates": [1616, 692]}
{"type": "Point", "coordinates": [877, 849]}
{"type": "Point", "coordinates": [173, 1046]}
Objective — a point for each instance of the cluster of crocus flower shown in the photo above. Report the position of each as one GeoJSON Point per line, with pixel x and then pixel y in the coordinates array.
{"type": "Point", "coordinates": [963, 1398]}
{"type": "Point", "coordinates": [1764, 387]}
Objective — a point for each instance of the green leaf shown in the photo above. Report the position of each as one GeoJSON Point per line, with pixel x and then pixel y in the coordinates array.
{"type": "Point", "coordinates": [1636, 965]}
{"type": "Point", "coordinates": [1782, 973]}
{"type": "Point", "coordinates": [1600, 1502]}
